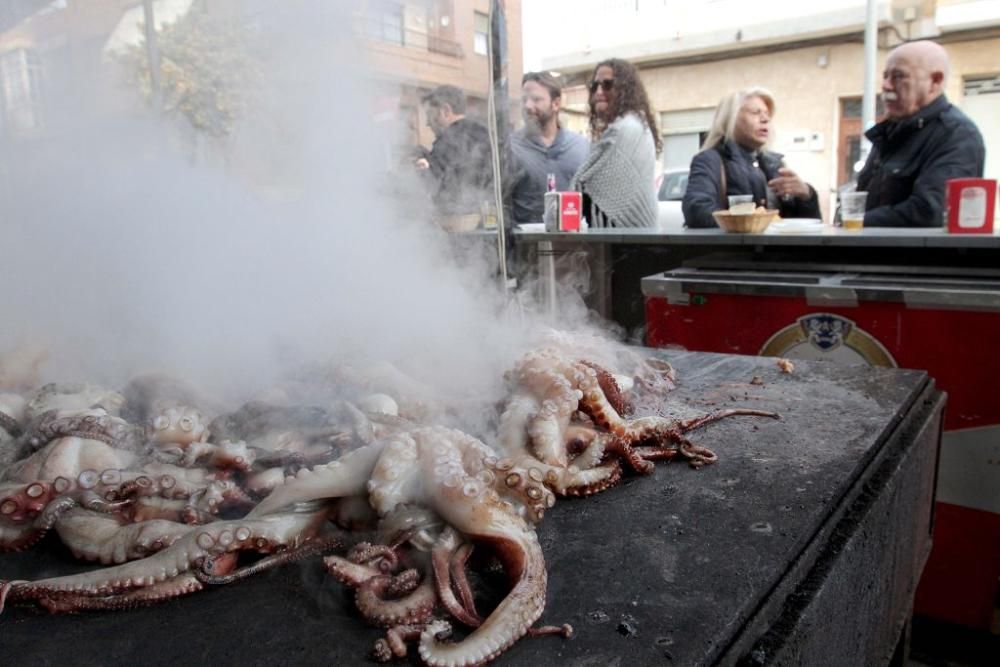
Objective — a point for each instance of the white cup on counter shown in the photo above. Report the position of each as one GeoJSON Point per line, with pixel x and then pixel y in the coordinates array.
{"type": "Point", "coordinates": [741, 204]}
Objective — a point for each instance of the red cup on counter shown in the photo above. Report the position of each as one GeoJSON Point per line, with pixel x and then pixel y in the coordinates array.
{"type": "Point", "coordinates": [970, 205]}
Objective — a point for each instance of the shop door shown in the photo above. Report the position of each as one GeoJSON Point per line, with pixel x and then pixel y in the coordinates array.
{"type": "Point", "coordinates": [849, 146]}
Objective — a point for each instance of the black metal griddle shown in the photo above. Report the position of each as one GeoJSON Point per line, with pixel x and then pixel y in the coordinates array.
{"type": "Point", "coordinates": [803, 545]}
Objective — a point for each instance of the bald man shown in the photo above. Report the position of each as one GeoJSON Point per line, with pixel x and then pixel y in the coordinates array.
{"type": "Point", "coordinates": [923, 142]}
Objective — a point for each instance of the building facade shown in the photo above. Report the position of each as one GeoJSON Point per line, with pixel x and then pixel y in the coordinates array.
{"type": "Point", "coordinates": [417, 45]}
{"type": "Point", "coordinates": [408, 47]}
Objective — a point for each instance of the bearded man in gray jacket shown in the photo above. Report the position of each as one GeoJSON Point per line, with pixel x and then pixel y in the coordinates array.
{"type": "Point", "coordinates": [542, 147]}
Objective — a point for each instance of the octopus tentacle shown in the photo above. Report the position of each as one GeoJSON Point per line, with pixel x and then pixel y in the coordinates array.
{"type": "Point", "coordinates": [673, 444]}
{"type": "Point", "coordinates": [18, 538]}
{"type": "Point", "coordinates": [447, 545]}
{"type": "Point", "coordinates": [569, 481]}
{"type": "Point", "coordinates": [459, 579]}
{"type": "Point", "coordinates": [386, 555]}
{"type": "Point", "coordinates": [508, 623]}
{"type": "Point", "coordinates": [680, 448]}
{"type": "Point", "coordinates": [609, 386]}
{"type": "Point", "coordinates": [627, 452]}
{"type": "Point", "coordinates": [696, 422]}
{"type": "Point", "coordinates": [394, 643]}
{"type": "Point", "coordinates": [264, 535]}
{"type": "Point", "coordinates": [347, 476]}
{"type": "Point", "coordinates": [98, 537]}
{"type": "Point", "coordinates": [95, 503]}
{"type": "Point", "coordinates": [565, 630]}
{"type": "Point", "coordinates": [227, 454]}
{"type": "Point", "coordinates": [511, 620]}
{"type": "Point", "coordinates": [384, 599]}
{"type": "Point", "coordinates": [414, 604]}
{"type": "Point", "coordinates": [523, 480]}
{"type": "Point", "coordinates": [93, 424]}
{"type": "Point", "coordinates": [61, 602]}
{"type": "Point", "coordinates": [349, 573]}
{"type": "Point", "coordinates": [5, 588]}
{"type": "Point", "coordinates": [516, 545]}
{"type": "Point", "coordinates": [550, 389]}
{"type": "Point", "coordinates": [26, 503]}
{"type": "Point", "coordinates": [209, 572]}
{"type": "Point", "coordinates": [589, 482]}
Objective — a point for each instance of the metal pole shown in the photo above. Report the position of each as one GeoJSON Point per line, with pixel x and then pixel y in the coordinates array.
{"type": "Point", "coordinates": [497, 112]}
{"type": "Point", "coordinates": [547, 277]}
{"type": "Point", "coordinates": [871, 64]}
{"type": "Point", "coordinates": [153, 54]}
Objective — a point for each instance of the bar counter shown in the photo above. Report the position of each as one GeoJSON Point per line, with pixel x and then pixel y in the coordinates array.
{"type": "Point", "coordinates": [926, 237]}
{"type": "Point", "coordinates": [618, 259]}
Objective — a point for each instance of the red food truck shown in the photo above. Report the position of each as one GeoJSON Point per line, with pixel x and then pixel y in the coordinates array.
{"type": "Point", "coordinates": [947, 324]}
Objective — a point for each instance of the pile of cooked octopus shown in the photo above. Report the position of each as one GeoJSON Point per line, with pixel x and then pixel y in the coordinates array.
{"type": "Point", "coordinates": [171, 495]}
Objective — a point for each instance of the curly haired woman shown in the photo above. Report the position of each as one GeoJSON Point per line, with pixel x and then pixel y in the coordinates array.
{"type": "Point", "coordinates": [618, 178]}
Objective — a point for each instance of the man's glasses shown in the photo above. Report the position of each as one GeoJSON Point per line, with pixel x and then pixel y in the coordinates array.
{"type": "Point", "coordinates": [606, 84]}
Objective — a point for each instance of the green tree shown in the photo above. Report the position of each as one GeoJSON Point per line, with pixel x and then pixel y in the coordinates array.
{"type": "Point", "coordinates": [207, 70]}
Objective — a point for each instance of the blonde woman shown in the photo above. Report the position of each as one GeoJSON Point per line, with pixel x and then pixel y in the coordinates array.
{"type": "Point", "coordinates": [733, 161]}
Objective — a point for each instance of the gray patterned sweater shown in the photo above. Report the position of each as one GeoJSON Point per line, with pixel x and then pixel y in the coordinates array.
{"type": "Point", "coordinates": [619, 175]}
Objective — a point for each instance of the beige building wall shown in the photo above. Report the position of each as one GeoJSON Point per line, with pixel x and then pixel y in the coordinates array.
{"type": "Point", "coordinates": [467, 69]}
{"type": "Point", "coordinates": [978, 58]}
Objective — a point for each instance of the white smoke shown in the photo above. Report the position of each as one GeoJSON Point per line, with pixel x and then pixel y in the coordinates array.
{"type": "Point", "coordinates": [122, 255]}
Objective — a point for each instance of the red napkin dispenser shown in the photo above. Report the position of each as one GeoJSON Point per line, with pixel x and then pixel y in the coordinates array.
{"type": "Point", "coordinates": [563, 211]}
{"type": "Point", "coordinates": [970, 205]}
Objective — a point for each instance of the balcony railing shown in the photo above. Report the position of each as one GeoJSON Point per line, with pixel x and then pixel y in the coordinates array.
{"type": "Point", "coordinates": [445, 46]}
{"type": "Point", "coordinates": [386, 28]}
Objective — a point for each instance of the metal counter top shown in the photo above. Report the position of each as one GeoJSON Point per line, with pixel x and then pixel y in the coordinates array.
{"type": "Point", "coordinates": [802, 545]}
{"type": "Point", "coordinates": [827, 288]}
{"type": "Point", "coordinates": [830, 236]}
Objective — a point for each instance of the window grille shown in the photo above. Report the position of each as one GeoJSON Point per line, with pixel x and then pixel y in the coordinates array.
{"type": "Point", "coordinates": [481, 33]}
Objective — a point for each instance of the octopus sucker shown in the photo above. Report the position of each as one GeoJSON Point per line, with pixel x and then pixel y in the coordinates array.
{"type": "Point", "coordinates": [88, 479]}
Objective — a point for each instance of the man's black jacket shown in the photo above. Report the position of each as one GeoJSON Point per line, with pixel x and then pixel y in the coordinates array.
{"type": "Point", "coordinates": [910, 161]}
{"type": "Point", "coordinates": [460, 164]}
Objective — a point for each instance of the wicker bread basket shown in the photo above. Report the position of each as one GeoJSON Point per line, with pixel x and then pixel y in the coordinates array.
{"type": "Point", "coordinates": [460, 223]}
{"type": "Point", "coordinates": [747, 223]}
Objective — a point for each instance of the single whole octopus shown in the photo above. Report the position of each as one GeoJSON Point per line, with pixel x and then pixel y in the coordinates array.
{"type": "Point", "coordinates": [173, 500]}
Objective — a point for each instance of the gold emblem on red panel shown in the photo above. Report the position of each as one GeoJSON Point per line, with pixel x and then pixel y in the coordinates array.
{"type": "Point", "coordinates": [830, 337]}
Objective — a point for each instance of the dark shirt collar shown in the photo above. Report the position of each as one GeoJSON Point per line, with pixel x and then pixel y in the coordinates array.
{"type": "Point", "coordinates": [733, 149]}
{"type": "Point", "coordinates": [749, 153]}
{"type": "Point", "coordinates": [917, 121]}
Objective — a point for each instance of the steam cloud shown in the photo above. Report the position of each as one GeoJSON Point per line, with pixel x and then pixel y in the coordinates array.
{"type": "Point", "coordinates": [122, 255]}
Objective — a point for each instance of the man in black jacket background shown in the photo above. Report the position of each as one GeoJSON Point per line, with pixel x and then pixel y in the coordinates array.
{"type": "Point", "coordinates": [459, 162]}
{"type": "Point", "coordinates": [923, 142]}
